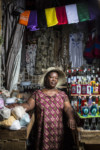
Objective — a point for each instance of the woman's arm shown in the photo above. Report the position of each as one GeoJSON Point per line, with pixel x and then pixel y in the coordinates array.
{"type": "Point", "coordinates": [29, 105]}
{"type": "Point", "coordinates": [69, 111]}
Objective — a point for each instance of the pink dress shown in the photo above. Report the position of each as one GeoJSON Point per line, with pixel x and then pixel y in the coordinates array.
{"type": "Point", "coordinates": [49, 118]}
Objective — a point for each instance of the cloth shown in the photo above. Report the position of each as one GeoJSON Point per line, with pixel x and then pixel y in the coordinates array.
{"type": "Point", "coordinates": [76, 49]}
{"type": "Point", "coordinates": [89, 50]}
{"type": "Point", "coordinates": [71, 12]}
{"type": "Point", "coordinates": [49, 111]}
{"type": "Point", "coordinates": [83, 12]}
{"type": "Point", "coordinates": [61, 15]}
{"type": "Point", "coordinates": [92, 13]}
{"type": "Point", "coordinates": [24, 17]}
{"type": "Point", "coordinates": [41, 18]}
{"type": "Point", "coordinates": [32, 22]}
{"type": "Point", "coordinates": [8, 122]}
{"type": "Point", "coordinates": [30, 58]}
{"type": "Point", "coordinates": [51, 17]}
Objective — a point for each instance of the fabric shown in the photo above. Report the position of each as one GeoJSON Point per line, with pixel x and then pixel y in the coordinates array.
{"type": "Point", "coordinates": [15, 125]}
{"type": "Point", "coordinates": [89, 50]}
{"type": "Point", "coordinates": [51, 17]}
{"type": "Point", "coordinates": [61, 15]}
{"type": "Point", "coordinates": [97, 47]}
{"type": "Point", "coordinates": [83, 12]}
{"type": "Point", "coordinates": [14, 57]}
{"type": "Point", "coordinates": [76, 49]}
{"type": "Point", "coordinates": [24, 121]}
{"type": "Point", "coordinates": [92, 13]}
{"type": "Point", "coordinates": [18, 112]}
{"type": "Point", "coordinates": [30, 58]}
{"type": "Point", "coordinates": [24, 17]}
{"type": "Point", "coordinates": [41, 18]}
{"type": "Point", "coordinates": [8, 122]}
{"type": "Point", "coordinates": [49, 111]}
{"type": "Point", "coordinates": [32, 22]}
{"type": "Point", "coordinates": [5, 113]}
{"type": "Point", "coordinates": [71, 12]}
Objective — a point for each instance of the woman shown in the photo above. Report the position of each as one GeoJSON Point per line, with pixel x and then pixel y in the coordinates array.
{"type": "Point", "coordinates": [50, 103]}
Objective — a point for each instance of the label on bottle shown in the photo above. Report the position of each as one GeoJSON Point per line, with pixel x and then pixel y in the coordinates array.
{"type": "Point", "coordinates": [73, 89]}
{"type": "Point", "coordinates": [78, 89]}
{"type": "Point", "coordinates": [83, 89]}
{"type": "Point", "coordinates": [88, 89]}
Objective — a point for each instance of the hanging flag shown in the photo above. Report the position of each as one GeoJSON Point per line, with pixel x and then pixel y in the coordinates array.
{"type": "Point", "coordinates": [92, 13]}
{"type": "Point", "coordinates": [51, 17]}
{"type": "Point", "coordinates": [61, 15]}
{"type": "Point", "coordinates": [24, 17]}
{"type": "Point", "coordinates": [32, 22]}
{"type": "Point", "coordinates": [72, 14]}
{"type": "Point", "coordinates": [83, 12]}
{"type": "Point", "coordinates": [41, 18]}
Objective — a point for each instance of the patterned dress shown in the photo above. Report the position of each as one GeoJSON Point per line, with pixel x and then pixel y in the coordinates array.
{"type": "Point", "coordinates": [49, 118]}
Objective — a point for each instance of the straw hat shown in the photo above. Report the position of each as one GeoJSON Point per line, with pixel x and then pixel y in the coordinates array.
{"type": "Point", "coordinates": [61, 75]}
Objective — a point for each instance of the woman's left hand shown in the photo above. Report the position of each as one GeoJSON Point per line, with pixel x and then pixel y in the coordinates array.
{"type": "Point", "coordinates": [72, 124]}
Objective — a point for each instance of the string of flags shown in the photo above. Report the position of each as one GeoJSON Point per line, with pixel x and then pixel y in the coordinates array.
{"type": "Point", "coordinates": [68, 14]}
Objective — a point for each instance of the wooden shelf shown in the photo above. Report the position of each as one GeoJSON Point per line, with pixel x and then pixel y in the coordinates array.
{"type": "Point", "coordinates": [85, 95]}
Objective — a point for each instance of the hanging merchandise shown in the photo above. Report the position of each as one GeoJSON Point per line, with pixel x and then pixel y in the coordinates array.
{"type": "Point", "coordinates": [89, 50]}
{"type": "Point", "coordinates": [24, 17]}
{"type": "Point", "coordinates": [97, 47]}
{"type": "Point", "coordinates": [71, 12]}
{"type": "Point", "coordinates": [76, 49]}
{"type": "Point", "coordinates": [51, 17]}
{"type": "Point", "coordinates": [83, 12]}
{"type": "Point", "coordinates": [61, 15]}
{"type": "Point", "coordinates": [32, 22]}
{"type": "Point", "coordinates": [30, 58]}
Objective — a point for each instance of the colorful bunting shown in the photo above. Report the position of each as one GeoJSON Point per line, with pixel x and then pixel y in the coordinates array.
{"type": "Point", "coordinates": [61, 15]}
{"type": "Point", "coordinates": [49, 17]}
{"type": "Point", "coordinates": [72, 15]}
{"type": "Point", "coordinates": [83, 12]}
{"type": "Point", "coordinates": [24, 17]}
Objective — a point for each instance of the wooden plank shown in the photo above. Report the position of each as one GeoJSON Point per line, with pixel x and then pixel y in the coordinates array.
{"type": "Point", "coordinates": [21, 145]}
{"type": "Point", "coordinates": [6, 134]}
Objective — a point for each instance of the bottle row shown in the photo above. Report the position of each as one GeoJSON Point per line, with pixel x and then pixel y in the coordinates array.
{"type": "Point", "coordinates": [86, 106]}
{"type": "Point", "coordinates": [93, 124]}
{"type": "Point", "coordinates": [85, 88]}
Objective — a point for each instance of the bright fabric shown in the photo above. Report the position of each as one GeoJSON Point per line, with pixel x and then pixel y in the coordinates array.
{"type": "Point", "coordinates": [32, 22]}
{"type": "Point", "coordinates": [61, 15]}
{"type": "Point", "coordinates": [83, 12]}
{"type": "Point", "coordinates": [24, 17]}
{"type": "Point", "coordinates": [71, 12]}
{"type": "Point", "coordinates": [51, 17]}
{"type": "Point", "coordinates": [49, 118]}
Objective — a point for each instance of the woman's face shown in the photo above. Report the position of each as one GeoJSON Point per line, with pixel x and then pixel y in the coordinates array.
{"type": "Point", "coordinates": [52, 79]}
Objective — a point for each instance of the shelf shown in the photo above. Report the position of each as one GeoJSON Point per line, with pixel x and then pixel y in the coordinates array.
{"type": "Point", "coordinates": [85, 95]}
{"type": "Point", "coordinates": [89, 116]}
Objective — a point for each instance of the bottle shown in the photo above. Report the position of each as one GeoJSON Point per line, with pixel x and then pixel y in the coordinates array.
{"type": "Point", "coordinates": [83, 88]}
{"type": "Point", "coordinates": [73, 88]}
{"type": "Point", "coordinates": [78, 88]}
{"type": "Point", "coordinates": [98, 124]}
{"type": "Point", "coordinates": [86, 124]}
{"type": "Point", "coordinates": [88, 88]}
{"type": "Point", "coordinates": [93, 124]}
{"type": "Point", "coordinates": [93, 109]}
{"type": "Point", "coordinates": [85, 110]}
